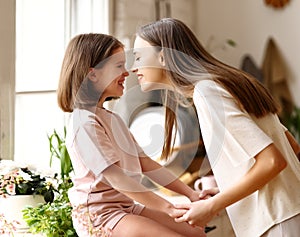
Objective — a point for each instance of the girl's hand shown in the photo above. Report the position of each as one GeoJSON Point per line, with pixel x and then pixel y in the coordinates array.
{"type": "Point", "coordinates": [195, 196]}
{"type": "Point", "coordinates": [175, 212]}
{"type": "Point", "coordinates": [180, 210]}
{"type": "Point", "coordinates": [197, 213]}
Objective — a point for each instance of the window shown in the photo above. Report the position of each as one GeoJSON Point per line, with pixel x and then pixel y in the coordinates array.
{"type": "Point", "coordinates": [43, 28]}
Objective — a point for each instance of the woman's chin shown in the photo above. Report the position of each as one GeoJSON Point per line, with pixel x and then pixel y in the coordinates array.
{"type": "Point", "coordinates": [149, 86]}
{"type": "Point", "coordinates": [145, 88]}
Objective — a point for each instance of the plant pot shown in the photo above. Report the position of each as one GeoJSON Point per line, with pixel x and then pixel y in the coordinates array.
{"type": "Point", "coordinates": [12, 207]}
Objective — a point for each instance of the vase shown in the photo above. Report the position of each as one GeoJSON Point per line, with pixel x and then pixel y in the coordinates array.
{"type": "Point", "coordinates": [12, 207]}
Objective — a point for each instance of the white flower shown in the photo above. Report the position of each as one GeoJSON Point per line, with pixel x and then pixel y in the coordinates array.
{"type": "Point", "coordinates": [6, 166]}
{"type": "Point", "coordinates": [25, 176]}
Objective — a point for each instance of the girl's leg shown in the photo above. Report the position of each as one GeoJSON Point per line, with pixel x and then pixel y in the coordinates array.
{"type": "Point", "coordinates": [136, 226]}
{"type": "Point", "coordinates": [182, 228]}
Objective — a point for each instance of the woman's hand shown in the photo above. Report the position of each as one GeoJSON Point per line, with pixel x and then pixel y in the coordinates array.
{"type": "Point", "coordinates": [197, 213]}
{"type": "Point", "coordinates": [208, 193]}
{"type": "Point", "coordinates": [203, 194]}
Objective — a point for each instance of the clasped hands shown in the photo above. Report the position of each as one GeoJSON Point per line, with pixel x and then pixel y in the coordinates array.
{"type": "Point", "coordinates": [199, 212]}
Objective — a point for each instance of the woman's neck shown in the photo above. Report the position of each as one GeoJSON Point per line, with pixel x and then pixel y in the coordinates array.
{"type": "Point", "coordinates": [101, 102]}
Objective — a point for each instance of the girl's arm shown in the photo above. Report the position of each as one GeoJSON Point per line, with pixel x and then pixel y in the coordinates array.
{"type": "Point", "coordinates": [269, 163]}
{"type": "Point", "coordinates": [116, 177]}
{"type": "Point", "coordinates": [294, 144]}
{"type": "Point", "coordinates": [164, 177]}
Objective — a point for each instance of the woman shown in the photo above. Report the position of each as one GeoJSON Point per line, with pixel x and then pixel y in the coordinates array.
{"type": "Point", "coordinates": [253, 157]}
{"type": "Point", "coordinates": [107, 161]}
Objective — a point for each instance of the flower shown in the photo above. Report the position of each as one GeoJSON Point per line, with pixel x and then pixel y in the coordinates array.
{"type": "Point", "coordinates": [7, 228]}
{"type": "Point", "coordinates": [21, 180]}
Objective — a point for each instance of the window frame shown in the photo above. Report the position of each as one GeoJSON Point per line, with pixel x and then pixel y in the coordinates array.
{"type": "Point", "coordinates": [8, 69]}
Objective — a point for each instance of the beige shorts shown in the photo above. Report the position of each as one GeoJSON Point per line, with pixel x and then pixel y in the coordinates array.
{"type": "Point", "coordinates": [84, 227]}
{"type": "Point", "coordinates": [289, 228]}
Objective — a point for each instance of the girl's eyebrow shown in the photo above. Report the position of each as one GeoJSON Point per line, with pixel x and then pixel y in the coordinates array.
{"type": "Point", "coordinates": [121, 61]}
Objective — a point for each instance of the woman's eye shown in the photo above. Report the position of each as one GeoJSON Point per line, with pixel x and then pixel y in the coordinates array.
{"type": "Point", "coordinates": [137, 59]}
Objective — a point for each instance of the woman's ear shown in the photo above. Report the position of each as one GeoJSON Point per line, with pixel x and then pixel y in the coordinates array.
{"type": "Point", "coordinates": [92, 75]}
{"type": "Point", "coordinates": [162, 59]}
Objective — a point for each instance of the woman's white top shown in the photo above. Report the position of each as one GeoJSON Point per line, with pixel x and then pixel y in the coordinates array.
{"type": "Point", "coordinates": [232, 139]}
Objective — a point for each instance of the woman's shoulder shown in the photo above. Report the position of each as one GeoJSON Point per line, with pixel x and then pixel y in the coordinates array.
{"type": "Point", "coordinates": [209, 87]}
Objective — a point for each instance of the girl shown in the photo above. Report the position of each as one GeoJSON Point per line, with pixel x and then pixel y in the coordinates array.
{"type": "Point", "coordinates": [107, 161]}
{"type": "Point", "coordinates": [253, 157]}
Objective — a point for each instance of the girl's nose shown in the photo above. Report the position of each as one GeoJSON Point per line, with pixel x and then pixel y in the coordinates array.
{"type": "Point", "coordinates": [125, 73]}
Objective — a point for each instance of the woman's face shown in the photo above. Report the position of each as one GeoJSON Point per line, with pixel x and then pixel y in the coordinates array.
{"type": "Point", "coordinates": [110, 78]}
{"type": "Point", "coordinates": [149, 66]}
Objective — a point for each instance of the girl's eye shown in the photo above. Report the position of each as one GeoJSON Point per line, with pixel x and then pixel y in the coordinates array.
{"type": "Point", "coordinates": [137, 59]}
{"type": "Point", "coordinates": [120, 65]}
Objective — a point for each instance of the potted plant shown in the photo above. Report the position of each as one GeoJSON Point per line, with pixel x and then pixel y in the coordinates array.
{"type": "Point", "coordinates": [55, 218]}
{"type": "Point", "coordinates": [20, 186]}
{"type": "Point", "coordinates": [293, 123]}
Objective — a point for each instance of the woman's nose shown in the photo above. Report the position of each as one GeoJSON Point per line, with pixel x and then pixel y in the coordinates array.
{"type": "Point", "coordinates": [134, 70]}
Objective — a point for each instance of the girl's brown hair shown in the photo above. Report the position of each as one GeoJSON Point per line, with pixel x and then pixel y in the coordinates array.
{"type": "Point", "coordinates": [187, 62]}
{"type": "Point", "coordinates": [83, 52]}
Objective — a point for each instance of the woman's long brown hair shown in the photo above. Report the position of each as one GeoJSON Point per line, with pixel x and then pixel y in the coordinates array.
{"type": "Point", "coordinates": [187, 62]}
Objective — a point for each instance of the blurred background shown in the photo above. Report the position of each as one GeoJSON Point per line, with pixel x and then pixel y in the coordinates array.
{"type": "Point", "coordinates": [261, 37]}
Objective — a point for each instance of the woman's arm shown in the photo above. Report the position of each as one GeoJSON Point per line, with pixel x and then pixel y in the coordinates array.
{"type": "Point", "coordinates": [269, 163]}
{"type": "Point", "coordinates": [294, 144]}
{"type": "Point", "coordinates": [164, 177]}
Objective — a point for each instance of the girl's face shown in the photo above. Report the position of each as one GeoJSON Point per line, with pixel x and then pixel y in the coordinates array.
{"type": "Point", "coordinates": [109, 79]}
{"type": "Point", "coordinates": [149, 66]}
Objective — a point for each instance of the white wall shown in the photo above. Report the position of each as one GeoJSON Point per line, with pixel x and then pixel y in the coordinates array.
{"type": "Point", "coordinates": [250, 23]}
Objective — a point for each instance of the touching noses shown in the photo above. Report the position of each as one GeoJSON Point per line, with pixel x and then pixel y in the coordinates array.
{"type": "Point", "coordinates": [134, 70]}
{"type": "Point", "coordinates": [125, 73]}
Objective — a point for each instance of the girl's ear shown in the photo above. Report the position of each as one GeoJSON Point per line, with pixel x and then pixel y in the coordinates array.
{"type": "Point", "coordinates": [92, 75]}
{"type": "Point", "coordinates": [162, 59]}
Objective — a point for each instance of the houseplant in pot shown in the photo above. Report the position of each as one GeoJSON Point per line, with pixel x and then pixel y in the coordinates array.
{"type": "Point", "coordinates": [293, 123]}
{"type": "Point", "coordinates": [20, 186]}
{"type": "Point", "coordinates": [55, 218]}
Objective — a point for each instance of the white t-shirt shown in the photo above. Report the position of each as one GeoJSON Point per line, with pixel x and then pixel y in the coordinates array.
{"type": "Point", "coordinates": [232, 139]}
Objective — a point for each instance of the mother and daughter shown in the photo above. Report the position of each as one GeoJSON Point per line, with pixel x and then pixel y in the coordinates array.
{"type": "Point", "coordinates": [253, 157]}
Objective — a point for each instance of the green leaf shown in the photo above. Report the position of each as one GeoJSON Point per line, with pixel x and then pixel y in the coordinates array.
{"type": "Point", "coordinates": [231, 42]}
